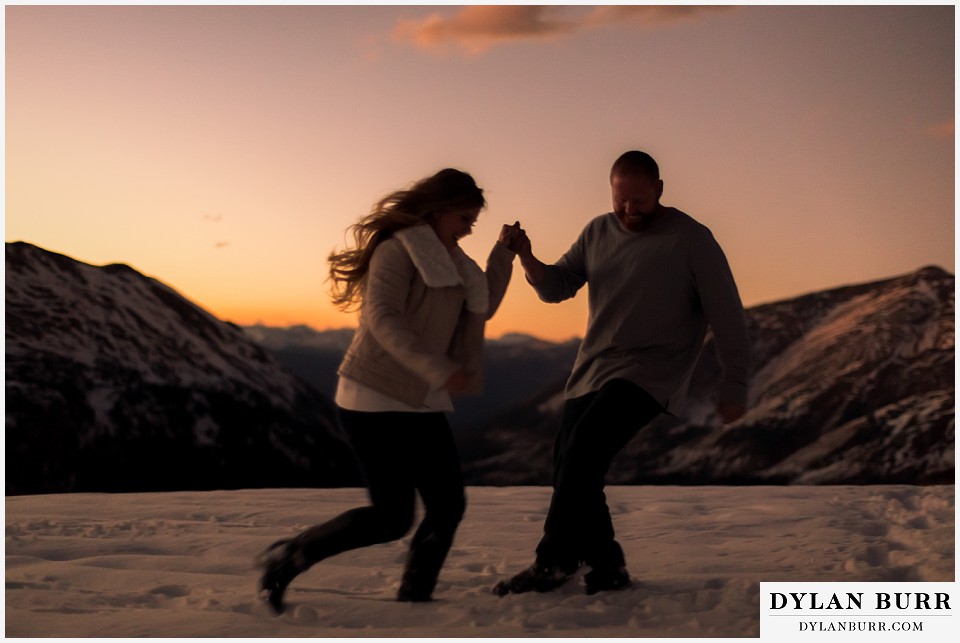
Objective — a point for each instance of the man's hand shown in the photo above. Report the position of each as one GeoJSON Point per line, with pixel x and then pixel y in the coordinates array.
{"type": "Point", "coordinates": [730, 412]}
{"type": "Point", "coordinates": [511, 235]}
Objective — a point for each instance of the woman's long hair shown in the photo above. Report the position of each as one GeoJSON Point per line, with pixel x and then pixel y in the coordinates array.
{"type": "Point", "coordinates": [446, 190]}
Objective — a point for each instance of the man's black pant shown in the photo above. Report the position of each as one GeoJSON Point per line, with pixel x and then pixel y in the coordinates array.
{"type": "Point", "coordinates": [400, 453]}
{"type": "Point", "coordinates": [595, 427]}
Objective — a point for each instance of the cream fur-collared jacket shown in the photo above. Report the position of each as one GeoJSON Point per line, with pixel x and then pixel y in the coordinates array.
{"type": "Point", "coordinates": [423, 315]}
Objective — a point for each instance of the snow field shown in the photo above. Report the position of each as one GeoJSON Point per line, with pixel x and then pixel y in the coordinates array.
{"type": "Point", "coordinates": [180, 564]}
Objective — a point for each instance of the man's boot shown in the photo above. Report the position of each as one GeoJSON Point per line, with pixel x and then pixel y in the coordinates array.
{"type": "Point", "coordinates": [536, 578]}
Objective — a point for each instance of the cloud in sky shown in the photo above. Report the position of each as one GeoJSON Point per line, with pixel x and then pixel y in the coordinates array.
{"type": "Point", "coordinates": [475, 29]}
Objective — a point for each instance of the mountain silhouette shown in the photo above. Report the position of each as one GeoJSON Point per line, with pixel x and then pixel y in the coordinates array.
{"type": "Point", "coordinates": [849, 385]}
{"type": "Point", "coordinates": [116, 382]}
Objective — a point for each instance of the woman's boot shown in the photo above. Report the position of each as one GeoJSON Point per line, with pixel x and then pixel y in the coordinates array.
{"type": "Point", "coordinates": [280, 564]}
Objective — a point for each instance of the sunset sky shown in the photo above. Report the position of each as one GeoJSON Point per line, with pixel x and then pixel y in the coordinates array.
{"type": "Point", "coordinates": [225, 149]}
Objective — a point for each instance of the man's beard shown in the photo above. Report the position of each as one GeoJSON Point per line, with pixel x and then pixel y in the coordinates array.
{"type": "Point", "coordinates": [640, 222]}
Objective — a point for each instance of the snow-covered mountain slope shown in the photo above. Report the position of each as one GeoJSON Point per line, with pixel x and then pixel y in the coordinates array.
{"type": "Point", "coordinates": [851, 385]}
{"type": "Point", "coordinates": [114, 381]}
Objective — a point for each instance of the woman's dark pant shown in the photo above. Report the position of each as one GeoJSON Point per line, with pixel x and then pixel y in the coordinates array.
{"type": "Point", "coordinates": [400, 453]}
{"type": "Point", "coordinates": [595, 427]}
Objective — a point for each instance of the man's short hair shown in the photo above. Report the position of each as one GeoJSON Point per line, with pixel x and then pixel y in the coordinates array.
{"type": "Point", "coordinates": [636, 162]}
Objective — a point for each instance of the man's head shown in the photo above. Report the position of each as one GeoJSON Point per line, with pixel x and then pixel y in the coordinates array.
{"type": "Point", "coordinates": [636, 162]}
{"type": "Point", "coordinates": [636, 188]}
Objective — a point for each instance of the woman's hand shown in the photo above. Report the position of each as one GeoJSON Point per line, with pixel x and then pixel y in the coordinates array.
{"type": "Point", "coordinates": [458, 382]}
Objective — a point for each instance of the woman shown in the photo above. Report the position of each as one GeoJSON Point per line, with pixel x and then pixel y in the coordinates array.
{"type": "Point", "coordinates": [423, 305]}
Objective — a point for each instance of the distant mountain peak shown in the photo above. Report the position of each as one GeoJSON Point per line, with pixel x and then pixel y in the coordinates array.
{"type": "Point", "coordinates": [934, 272]}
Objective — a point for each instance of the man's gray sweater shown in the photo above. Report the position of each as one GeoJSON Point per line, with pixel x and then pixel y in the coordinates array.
{"type": "Point", "coordinates": [651, 296]}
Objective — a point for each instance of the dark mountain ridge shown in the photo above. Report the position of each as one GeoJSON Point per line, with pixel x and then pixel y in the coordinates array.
{"type": "Point", "coordinates": [115, 382]}
{"type": "Point", "coordinates": [849, 385]}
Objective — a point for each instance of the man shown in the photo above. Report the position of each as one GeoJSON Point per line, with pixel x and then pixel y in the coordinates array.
{"type": "Point", "coordinates": [656, 279]}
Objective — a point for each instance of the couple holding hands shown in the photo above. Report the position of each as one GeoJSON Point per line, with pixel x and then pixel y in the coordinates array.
{"type": "Point", "coordinates": [657, 279]}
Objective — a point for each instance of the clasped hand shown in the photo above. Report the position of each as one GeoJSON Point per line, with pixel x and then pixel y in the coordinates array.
{"type": "Point", "coordinates": [515, 238]}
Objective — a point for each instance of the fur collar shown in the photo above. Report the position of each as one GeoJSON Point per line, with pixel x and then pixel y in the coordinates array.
{"type": "Point", "coordinates": [442, 269]}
